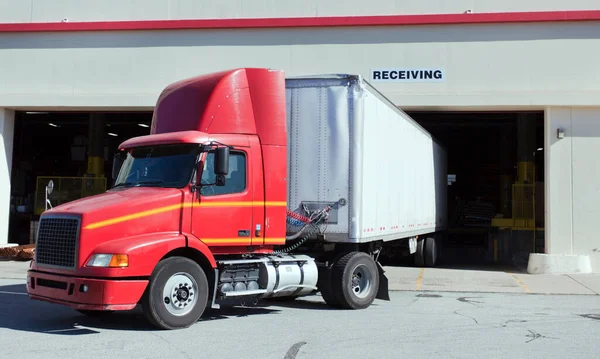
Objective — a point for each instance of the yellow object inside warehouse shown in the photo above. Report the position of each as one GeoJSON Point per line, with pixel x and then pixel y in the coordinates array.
{"type": "Point", "coordinates": [95, 166]}
{"type": "Point", "coordinates": [66, 189]}
{"type": "Point", "coordinates": [523, 200]}
{"type": "Point", "coordinates": [523, 205]}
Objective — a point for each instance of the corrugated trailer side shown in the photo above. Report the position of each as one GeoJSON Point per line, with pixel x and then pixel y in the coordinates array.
{"type": "Point", "coordinates": [351, 147]}
{"type": "Point", "coordinates": [318, 145]}
{"type": "Point", "coordinates": [404, 171]}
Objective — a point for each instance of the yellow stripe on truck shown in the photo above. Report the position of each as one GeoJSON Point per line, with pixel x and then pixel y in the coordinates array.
{"type": "Point", "coordinates": [274, 240]}
{"type": "Point", "coordinates": [239, 204]}
{"type": "Point", "coordinates": [175, 207]}
{"type": "Point", "coordinates": [213, 241]}
{"type": "Point", "coordinates": [227, 240]}
{"type": "Point", "coordinates": [132, 216]}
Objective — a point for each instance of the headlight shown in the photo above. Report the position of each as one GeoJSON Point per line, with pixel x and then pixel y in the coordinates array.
{"type": "Point", "coordinates": [108, 260]}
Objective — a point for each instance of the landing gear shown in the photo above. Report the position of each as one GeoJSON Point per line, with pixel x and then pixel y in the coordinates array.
{"type": "Point", "coordinates": [351, 283]}
{"type": "Point", "coordinates": [177, 294]}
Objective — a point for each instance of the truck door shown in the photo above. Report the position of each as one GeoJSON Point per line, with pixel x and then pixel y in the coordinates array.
{"type": "Point", "coordinates": [222, 215]}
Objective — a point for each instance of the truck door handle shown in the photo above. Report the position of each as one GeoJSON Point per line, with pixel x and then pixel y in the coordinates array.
{"type": "Point", "coordinates": [244, 233]}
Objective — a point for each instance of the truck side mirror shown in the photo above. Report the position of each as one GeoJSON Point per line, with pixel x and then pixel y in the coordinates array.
{"type": "Point", "coordinates": [222, 161]}
{"type": "Point", "coordinates": [118, 160]}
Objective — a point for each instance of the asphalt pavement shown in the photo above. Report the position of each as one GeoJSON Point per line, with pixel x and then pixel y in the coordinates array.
{"type": "Point", "coordinates": [414, 324]}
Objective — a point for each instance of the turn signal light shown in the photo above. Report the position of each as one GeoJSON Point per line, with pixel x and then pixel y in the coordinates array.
{"type": "Point", "coordinates": [119, 260]}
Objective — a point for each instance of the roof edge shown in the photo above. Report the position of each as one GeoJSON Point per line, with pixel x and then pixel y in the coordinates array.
{"type": "Point", "coordinates": [308, 22]}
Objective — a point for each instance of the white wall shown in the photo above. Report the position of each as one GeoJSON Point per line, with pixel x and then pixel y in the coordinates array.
{"type": "Point", "coordinates": [573, 182]}
{"type": "Point", "coordinates": [527, 65]}
{"type": "Point", "coordinates": [7, 125]}
{"type": "Point", "coordinates": [112, 10]}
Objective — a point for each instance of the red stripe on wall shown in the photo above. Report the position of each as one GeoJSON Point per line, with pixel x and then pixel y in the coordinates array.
{"type": "Point", "coordinates": [307, 22]}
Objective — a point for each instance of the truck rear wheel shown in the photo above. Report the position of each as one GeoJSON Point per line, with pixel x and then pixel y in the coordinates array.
{"type": "Point", "coordinates": [177, 294]}
{"type": "Point", "coordinates": [324, 285]}
{"type": "Point", "coordinates": [355, 280]}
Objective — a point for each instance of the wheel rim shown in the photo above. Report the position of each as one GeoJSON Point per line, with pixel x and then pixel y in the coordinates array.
{"type": "Point", "coordinates": [180, 294]}
{"type": "Point", "coordinates": [361, 281]}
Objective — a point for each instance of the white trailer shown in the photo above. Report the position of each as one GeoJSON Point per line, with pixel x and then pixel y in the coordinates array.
{"type": "Point", "coordinates": [383, 174]}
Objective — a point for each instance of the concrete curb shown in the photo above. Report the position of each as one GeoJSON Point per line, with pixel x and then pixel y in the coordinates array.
{"type": "Point", "coordinates": [11, 269]}
{"type": "Point", "coordinates": [540, 263]}
{"type": "Point", "coordinates": [8, 245]}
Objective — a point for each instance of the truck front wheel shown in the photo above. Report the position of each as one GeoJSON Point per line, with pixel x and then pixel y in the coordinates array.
{"type": "Point", "coordinates": [177, 294]}
{"type": "Point", "coordinates": [355, 280]}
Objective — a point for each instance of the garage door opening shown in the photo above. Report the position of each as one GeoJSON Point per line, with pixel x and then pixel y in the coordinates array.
{"type": "Point", "coordinates": [495, 185]}
{"type": "Point", "coordinates": [74, 150]}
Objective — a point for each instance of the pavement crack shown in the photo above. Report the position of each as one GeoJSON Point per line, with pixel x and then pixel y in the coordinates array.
{"type": "Point", "coordinates": [426, 295]}
{"type": "Point", "coordinates": [184, 354]}
{"type": "Point", "coordinates": [583, 285]}
{"type": "Point", "coordinates": [535, 336]}
{"type": "Point", "coordinates": [466, 316]}
{"type": "Point", "coordinates": [512, 321]}
{"type": "Point", "coordinates": [293, 351]}
{"type": "Point", "coordinates": [591, 316]}
{"type": "Point", "coordinates": [466, 300]}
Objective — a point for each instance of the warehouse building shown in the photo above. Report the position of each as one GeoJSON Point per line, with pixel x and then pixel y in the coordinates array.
{"type": "Point", "coordinates": [509, 87]}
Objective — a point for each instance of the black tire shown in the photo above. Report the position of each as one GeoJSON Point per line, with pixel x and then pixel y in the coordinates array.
{"type": "Point", "coordinates": [154, 303]}
{"type": "Point", "coordinates": [419, 254]}
{"type": "Point", "coordinates": [324, 286]}
{"type": "Point", "coordinates": [95, 313]}
{"type": "Point", "coordinates": [342, 275]}
{"type": "Point", "coordinates": [430, 252]}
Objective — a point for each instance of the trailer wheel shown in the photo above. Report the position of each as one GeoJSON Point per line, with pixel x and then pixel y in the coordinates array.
{"type": "Point", "coordinates": [177, 294]}
{"type": "Point", "coordinates": [420, 253]}
{"type": "Point", "coordinates": [355, 280]}
{"type": "Point", "coordinates": [430, 252]}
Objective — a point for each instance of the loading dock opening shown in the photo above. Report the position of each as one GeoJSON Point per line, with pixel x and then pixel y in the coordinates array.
{"type": "Point", "coordinates": [73, 149]}
{"type": "Point", "coordinates": [495, 186]}
{"type": "Point", "coordinates": [495, 165]}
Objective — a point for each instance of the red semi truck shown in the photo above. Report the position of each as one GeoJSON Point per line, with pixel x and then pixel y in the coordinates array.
{"type": "Point", "coordinates": [249, 186]}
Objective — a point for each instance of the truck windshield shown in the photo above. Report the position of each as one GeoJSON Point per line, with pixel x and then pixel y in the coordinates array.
{"type": "Point", "coordinates": [158, 166]}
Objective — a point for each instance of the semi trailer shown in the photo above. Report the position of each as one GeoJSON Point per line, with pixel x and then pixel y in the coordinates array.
{"type": "Point", "coordinates": [249, 186]}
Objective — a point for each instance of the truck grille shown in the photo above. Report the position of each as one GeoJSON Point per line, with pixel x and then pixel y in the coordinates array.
{"type": "Point", "coordinates": [57, 241]}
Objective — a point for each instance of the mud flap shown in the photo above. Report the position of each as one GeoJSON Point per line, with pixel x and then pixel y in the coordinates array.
{"type": "Point", "coordinates": [214, 304]}
{"type": "Point", "coordinates": [383, 291]}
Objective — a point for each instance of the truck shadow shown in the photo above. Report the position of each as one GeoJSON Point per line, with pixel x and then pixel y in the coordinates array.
{"type": "Point", "coordinates": [312, 302]}
{"type": "Point", "coordinates": [22, 314]}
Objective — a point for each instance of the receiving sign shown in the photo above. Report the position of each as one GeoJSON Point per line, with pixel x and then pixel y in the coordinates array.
{"type": "Point", "coordinates": [407, 75]}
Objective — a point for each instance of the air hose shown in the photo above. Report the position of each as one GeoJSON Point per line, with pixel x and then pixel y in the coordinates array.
{"type": "Point", "coordinates": [312, 224]}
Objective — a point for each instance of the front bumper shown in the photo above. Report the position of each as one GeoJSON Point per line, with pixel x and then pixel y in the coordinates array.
{"type": "Point", "coordinates": [85, 293]}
